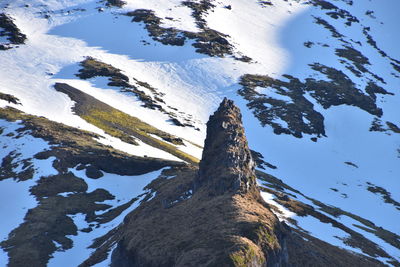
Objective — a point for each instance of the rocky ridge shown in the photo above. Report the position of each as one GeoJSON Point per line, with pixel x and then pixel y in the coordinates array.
{"type": "Point", "coordinates": [214, 215]}
{"type": "Point", "coordinates": [226, 164]}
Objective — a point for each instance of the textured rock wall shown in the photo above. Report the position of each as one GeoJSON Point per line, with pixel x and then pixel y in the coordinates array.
{"type": "Point", "coordinates": [226, 165]}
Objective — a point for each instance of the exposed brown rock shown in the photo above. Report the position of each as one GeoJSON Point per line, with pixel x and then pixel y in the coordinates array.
{"type": "Point", "coordinates": [223, 222]}
{"type": "Point", "coordinates": [226, 164]}
{"type": "Point", "coordinates": [224, 230]}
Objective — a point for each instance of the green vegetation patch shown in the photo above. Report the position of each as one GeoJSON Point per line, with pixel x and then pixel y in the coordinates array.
{"type": "Point", "coordinates": [46, 228]}
{"type": "Point", "coordinates": [245, 257]}
{"type": "Point", "coordinates": [122, 125]}
{"type": "Point", "coordinates": [72, 147]}
{"type": "Point", "coordinates": [92, 67]}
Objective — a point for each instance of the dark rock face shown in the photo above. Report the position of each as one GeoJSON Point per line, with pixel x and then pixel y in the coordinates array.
{"type": "Point", "coordinates": [9, 30]}
{"type": "Point", "coordinates": [226, 165]}
{"type": "Point", "coordinates": [9, 98]}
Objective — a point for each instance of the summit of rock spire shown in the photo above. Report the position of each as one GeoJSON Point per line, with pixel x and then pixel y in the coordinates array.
{"type": "Point", "coordinates": [226, 164]}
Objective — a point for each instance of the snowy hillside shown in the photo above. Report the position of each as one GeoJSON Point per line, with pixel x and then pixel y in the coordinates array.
{"type": "Point", "coordinates": [88, 85]}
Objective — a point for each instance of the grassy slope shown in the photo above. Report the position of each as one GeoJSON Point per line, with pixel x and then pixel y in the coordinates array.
{"type": "Point", "coordinates": [122, 125]}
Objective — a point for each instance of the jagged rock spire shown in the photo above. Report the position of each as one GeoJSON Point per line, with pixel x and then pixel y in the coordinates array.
{"type": "Point", "coordinates": [226, 164]}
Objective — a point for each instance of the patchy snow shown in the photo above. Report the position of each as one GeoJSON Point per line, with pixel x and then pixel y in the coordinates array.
{"type": "Point", "coordinates": [285, 213]}
{"type": "Point", "coordinates": [180, 14]}
{"type": "Point", "coordinates": [188, 147]}
{"type": "Point", "coordinates": [18, 192]}
{"type": "Point", "coordinates": [191, 149]}
{"type": "Point", "coordinates": [271, 92]}
{"type": "Point", "coordinates": [47, 54]}
{"type": "Point", "coordinates": [124, 188]}
{"type": "Point", "coordinates": [141, 150]}
{"type": "Point", "coordinates": [325, 232]}
{"type": "Point", "coordinates": [106, 262]}
{"type": "Point", "coordinates": [133, 107]}
{"type": "Point", "coordinates": [382, 26]}
{"type": "Point", "coordinates": [313, 168]}
{"type": "Point", "coordinates": [313, 226]}
{"type": "Point", "coordinates": [392, 251]}
{"type": "Point", "coordinates": [132, 38]}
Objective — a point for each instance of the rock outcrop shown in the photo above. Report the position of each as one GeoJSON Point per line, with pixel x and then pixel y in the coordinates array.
{"type": "Point", "coordinates": [211, 216]}
{"type": "Point", "coordinates": [214, 215]}
{"type": "Point", "coordinates": [226, 165]}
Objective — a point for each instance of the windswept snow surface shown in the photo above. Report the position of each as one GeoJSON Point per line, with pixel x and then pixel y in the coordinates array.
{"type": "Point", "coordinates": [32, 65]}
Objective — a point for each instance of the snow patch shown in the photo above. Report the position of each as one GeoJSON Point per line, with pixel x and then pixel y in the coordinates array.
{"type": "Point", "coordinates": [124, 188]}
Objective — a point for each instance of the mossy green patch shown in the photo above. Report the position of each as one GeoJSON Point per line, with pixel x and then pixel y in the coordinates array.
{"type": "Point", "coordinates": [47, 228]}
{"type": "Point", "coordinates": [245, 257]}
{"type": "Point", "coordinates": [122, 125]}
{"type": "Point", "coordinates": [72, 146]}
{"type": "Point", "coordinates": [149, 96]}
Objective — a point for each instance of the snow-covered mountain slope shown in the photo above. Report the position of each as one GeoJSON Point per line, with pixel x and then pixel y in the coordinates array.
{"type": "Point", "coordinates": [317, 82]}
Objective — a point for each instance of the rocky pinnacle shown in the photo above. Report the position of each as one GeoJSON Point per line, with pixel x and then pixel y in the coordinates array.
{"type": "Point", "coordinates": [226, 165]}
